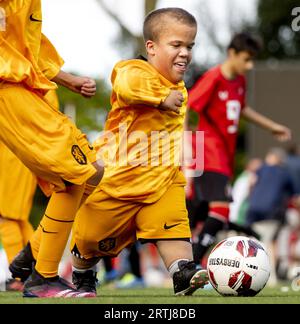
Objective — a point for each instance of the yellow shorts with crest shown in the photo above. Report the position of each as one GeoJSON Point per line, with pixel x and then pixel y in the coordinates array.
{"type": "Point", "coordinates": [44, 139]}
{"type": "Point", "coordinates": [105, 225]}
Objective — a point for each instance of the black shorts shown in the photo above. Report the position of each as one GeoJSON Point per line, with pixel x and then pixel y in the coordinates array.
{"type": "Point", "coordinates": [197, 211]}
{"type": "Point", "coordinates": [213, 186]}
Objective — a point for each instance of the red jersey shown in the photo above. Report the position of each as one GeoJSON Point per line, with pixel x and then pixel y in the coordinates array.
{"type": "Point", "coordinates": [218, 101]}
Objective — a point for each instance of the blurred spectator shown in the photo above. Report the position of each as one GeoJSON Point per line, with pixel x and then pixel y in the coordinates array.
{"type": "Point", "coordinates": [288, 236]}
{"type": "Point", "coordinates": [268, 201]}
{"type": "Point", "coordinates": [293, 164]}
{"type": "Point", "coordinates": [241, 191]}
{"type": "Point", "coordinates": [272, 189]}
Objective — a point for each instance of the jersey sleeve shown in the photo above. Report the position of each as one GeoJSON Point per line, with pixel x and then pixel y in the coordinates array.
{"type": "Point", "coordinates": [136, 86]}
{"type": "Point", "coordinates": [202, 91]}
{"type": "Point", "coordinates": [49, 60]}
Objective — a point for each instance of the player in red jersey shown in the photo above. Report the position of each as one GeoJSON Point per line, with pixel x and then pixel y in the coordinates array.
{"type": "Point", "coordinates": [219, 99]}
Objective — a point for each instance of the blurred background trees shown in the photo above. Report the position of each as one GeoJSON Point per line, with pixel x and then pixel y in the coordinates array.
{"type": "Point", "coordinates": [127, 41]}
{"type": "Point", "coordinates": [274, 20]}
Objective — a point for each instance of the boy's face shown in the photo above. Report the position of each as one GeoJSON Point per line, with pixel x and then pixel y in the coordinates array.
{"type": "Point", "coordinates": [171, 53]}
{"type": "Point", "coordinates": [242, 62]}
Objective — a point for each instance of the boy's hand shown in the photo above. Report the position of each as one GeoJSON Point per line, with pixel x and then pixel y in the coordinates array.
{"type": "Point", "coordinates": [83, 85]}
{"type": "Point", "coordinates": [173, 102]}
{"type": "Point", "coordinates": [281, 133]}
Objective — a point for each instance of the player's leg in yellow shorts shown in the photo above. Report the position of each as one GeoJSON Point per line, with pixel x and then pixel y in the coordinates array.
{"type": "Point", "coordinates": [104, 226]}
{"type": "Point", "coordinates": [51, 146]}
{"type": "Point", "coordinates": [17, 187]}
{"type": "Point", "coordinates": [166, 224]}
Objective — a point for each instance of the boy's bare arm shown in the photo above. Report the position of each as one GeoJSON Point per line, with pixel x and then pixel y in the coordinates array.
{"type": "Point", "coordinates": [173, 102]}
{"type": "Point", "coordinates": [281, 132]}
{"type": "Point", "coordinates": [83, 85]}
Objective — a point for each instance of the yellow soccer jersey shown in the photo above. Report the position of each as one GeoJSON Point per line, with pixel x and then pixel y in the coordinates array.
{"type": "Point", "coordinates": [25, 54]}
{"type": "Point", "coordinates": [141, 142]}
{"type": "Point", "coordinates": [49, 60]}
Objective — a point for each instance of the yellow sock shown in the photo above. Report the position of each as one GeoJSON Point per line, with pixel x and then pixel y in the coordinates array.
{"type": "Point", "coordinates": [55, 229]}
{"type": "Point", "coordinates": [35, 239]}
{"type": "Point", "coordinates": [11, 237]}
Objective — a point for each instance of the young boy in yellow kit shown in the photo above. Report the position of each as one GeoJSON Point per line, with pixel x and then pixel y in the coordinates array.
{"type": "Point", "coordinates": [146, 200]}
{"type": "Point", "coordinates": [45, 140]}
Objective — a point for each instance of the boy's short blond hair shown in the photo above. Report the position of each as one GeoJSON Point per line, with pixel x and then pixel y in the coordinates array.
{"type": "Point", "coordinates": [155, 23]}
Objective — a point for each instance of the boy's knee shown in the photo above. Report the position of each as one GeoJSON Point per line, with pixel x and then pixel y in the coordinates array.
{"type": "Point", "coordinates": [96, 178]}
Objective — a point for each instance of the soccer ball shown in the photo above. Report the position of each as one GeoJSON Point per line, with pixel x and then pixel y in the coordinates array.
{"type": "Point", "coordinates": [238, 266]}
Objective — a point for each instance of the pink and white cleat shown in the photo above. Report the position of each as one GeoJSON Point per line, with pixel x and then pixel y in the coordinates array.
{"type": "Point", "coordinates": [39, 287]}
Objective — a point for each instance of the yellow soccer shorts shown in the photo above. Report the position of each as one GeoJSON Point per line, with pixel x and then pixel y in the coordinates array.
{"type": "Point", "coordinates": [44, 139]}
{"type": "Point", "coordinates": [105, 225]}
{"type": "Point", "coordinates": [17, 186]}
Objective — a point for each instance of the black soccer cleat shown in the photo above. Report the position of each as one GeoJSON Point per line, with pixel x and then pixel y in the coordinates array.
{"type": "Point", "coordinates": [85, 282]}
{"type": "Point", "coordinates": [39, 287]}
{"type": "Point", "coordinates": [189, 278]}
{"type": "Point", "coordinates": [23, 264]}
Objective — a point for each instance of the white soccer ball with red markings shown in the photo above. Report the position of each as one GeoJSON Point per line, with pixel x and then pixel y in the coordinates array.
{"type": "Point", "coordinates": [238, 266]}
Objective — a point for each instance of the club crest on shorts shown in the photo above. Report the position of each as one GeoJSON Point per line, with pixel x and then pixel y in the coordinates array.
{"type": "Point", "coordinates": [78, 155]}
{"type": "Point", "coordinates": [107, 244]}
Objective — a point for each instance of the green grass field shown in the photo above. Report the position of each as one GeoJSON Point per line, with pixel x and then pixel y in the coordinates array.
{"type": "Point", "coordinates": [162, 296]}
